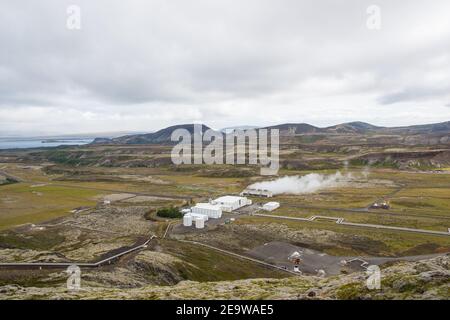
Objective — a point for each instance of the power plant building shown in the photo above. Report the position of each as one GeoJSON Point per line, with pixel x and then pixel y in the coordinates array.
{"type": "Point", "coordinates": [270, 206]}
{"type": "Point", "coordinates": [231, 203]}
{"type": "Point", "coordinates": [210, 210]}
{"type": "Point", "coordinates": [257, 193]}
{"type": "Point", "coordinates": [201, 212]}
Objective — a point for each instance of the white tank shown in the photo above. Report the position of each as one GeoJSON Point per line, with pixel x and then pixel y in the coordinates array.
{"type": "Point", "coordinates": [199, 223]}
{"type": "Point", "coordinates": [187, 220]}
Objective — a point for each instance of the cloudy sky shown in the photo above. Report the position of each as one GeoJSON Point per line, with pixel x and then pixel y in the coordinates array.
{"type": "Point", "coordinates": [140, 65]}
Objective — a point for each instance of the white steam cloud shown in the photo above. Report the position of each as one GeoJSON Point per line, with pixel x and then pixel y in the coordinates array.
{"type": "Point", "coordinates": [303, 184]}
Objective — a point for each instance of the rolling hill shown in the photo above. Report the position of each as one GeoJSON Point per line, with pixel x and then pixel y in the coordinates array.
{"type": "Point", "coordinates": [416, 134]}
{"type": "Point", "coordinates": [159, 137]}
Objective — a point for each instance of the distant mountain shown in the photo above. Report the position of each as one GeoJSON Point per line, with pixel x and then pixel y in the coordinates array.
{"type": "Point", "coordinates": [434, 128]}
{"type": "Point", "coordinates": [295, 128]}
{"type": "Point", "coordinates": [420, 134]}
{"type": "Point", "coordinates": [353, 127]}
{"type": "Point", "coordinates": [162, 136]}
{"type": "Point", "coordinates": [358, 127]}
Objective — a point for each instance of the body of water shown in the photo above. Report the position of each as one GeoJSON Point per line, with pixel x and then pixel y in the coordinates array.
{"type": "Point", "coordinates": [16, 143]}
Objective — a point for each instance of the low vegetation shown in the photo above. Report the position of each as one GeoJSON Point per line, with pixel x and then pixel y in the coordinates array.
{"type": "Point", "coordinates": [171, 213]}
{"type": "Point", "coordinates": [6, 180]}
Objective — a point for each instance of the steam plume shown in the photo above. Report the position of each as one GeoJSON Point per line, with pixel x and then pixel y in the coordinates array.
{"type": "Point", "coordinates": [303, 184]}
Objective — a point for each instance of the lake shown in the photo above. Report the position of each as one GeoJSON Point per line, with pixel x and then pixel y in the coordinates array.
{"type": "Point", "coordinates": [18, 143]}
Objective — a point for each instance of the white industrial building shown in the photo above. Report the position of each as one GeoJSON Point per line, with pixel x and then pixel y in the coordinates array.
{"type": "Point", "coordinates": [231, 203]}
{"type": "Point", "coordinates": [270, 206]}
{"type": "Point", "coordinates": [209, 209]}
{"type": "Point", "coordinates": [199, 216]}
{"type": "Point", "coordinates": [257, 193]}
{"type": "Point", "coordinates": [201, 212]}
{"type": "Point", "coordinates": [184, 211]}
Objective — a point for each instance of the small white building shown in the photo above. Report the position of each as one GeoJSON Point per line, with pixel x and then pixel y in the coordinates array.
{"type": "Point", "coordinates": [209, 209]}
{"type": "Point", "coordinates": [187, 220]}
{"type": "Point", "coordinates": [270, 206]}
{"type": "Point", "coordinates": [257, 193]}
{"type": "Point", "coordinates": [231, 203]}
{"type": "Point", "coordinates": [199, 223]}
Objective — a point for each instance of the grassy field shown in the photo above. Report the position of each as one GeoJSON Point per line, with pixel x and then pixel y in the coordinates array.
{"type": "Point", "coordinates": [210, 265]}
{"type": "Point", "coordinates": [28, 203]}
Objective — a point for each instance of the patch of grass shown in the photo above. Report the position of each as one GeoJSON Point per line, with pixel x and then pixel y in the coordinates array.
{"type": "Point", "coordinates": [351, 291]}
{"type": "Point", "coordinates": [230, 172]}
{"type": "Point", "coordinates": [30, 278]}
{"type": "Point", "coordinates": [36, 241]}
{"type": "Point", "coordinates": [203, 264]}
{"type": "Point", "coordinates": [24, 203]}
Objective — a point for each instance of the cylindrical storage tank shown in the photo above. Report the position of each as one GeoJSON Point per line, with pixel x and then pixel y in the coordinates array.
{"type": "Point", "coordinates": [199, 223]}
{"type": "Point", "coordinates": [187, 220]}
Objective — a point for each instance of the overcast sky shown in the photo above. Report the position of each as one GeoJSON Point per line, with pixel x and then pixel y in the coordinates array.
{"type": "Point", "coordinates": [140, 65]}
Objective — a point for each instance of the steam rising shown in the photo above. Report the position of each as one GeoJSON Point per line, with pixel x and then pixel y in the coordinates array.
{"type": "Point", "coordinates": [303, 184]}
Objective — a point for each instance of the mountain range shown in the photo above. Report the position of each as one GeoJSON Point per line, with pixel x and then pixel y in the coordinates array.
{"type": "Point", "coordinates": [291, 129]}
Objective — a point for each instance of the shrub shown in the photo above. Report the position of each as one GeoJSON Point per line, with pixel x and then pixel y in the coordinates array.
{"type": "Point", "coordinates": [171, 213]}
{"type": "Point", "coordinates": [8, 181]}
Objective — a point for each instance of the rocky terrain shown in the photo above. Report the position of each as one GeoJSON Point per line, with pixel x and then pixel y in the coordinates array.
{"type": "Point", "coordinates": [427, 279]}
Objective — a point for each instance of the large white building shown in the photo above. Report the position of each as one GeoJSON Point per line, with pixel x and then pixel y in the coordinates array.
{"type": "Point", "coordinates": [231, 203]}
{"type": "Point", "coordinates": [201, 212]}
{"type": "Point", "coordinates": [211, 210]}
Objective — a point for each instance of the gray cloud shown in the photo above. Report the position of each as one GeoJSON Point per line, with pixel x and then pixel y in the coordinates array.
{"type": "Point", "coordinates": [140, 65]}
{"type": "Point", "coordinates": [413, 94]}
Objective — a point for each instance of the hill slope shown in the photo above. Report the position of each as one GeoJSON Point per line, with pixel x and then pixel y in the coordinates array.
{"type": "Point", "coordinates": [162, 136]}
{"type": "Point", "coordinates": [295, 128]}
{"type": "Point", "coordinates": [417, 134]}
{"type": "Point", "coordinates": [353, 127]}
{"type": "Point", "coordinates": [422, 280]}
